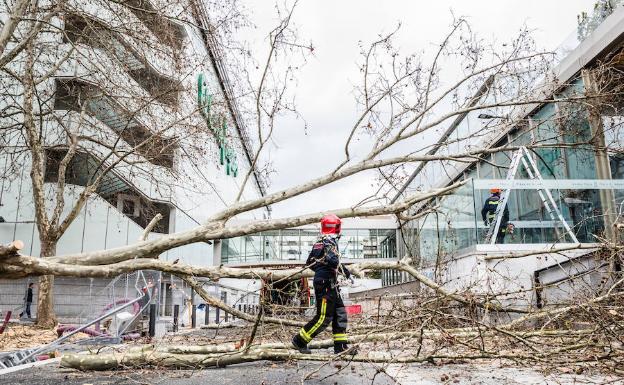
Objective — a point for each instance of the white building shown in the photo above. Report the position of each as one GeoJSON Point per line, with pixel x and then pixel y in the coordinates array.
{"type": "Point", "coordinates": [585, 181]}
{"type": "Point", "coordinates": [138, 74]}
{"type": "Point", "coordinates": [361, 238]}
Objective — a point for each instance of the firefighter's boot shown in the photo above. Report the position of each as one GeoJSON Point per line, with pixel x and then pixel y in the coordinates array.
{"type": "Point", "coordinates": [340, 347]}
{"type": "Point", "coordinates": [300, 344]}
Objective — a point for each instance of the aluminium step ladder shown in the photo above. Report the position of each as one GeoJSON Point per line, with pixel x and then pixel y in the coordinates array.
{"type": "Point", "coordinates": [522, 155]}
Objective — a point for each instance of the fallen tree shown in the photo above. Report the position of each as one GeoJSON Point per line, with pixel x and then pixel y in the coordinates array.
{"type": "Point", "coordinates": [528, 345]}
{"type": "Point", "coordinates": [397, 110]}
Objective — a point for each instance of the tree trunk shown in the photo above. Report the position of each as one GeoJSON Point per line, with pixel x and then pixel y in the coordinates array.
{"type": "Point", "coordinates": [46, 317]}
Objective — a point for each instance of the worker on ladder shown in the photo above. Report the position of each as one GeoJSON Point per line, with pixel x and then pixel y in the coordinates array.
{"type": "Point", "coordinates": [488, 213]}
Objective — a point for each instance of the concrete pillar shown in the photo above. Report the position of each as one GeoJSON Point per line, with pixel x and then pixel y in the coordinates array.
{"type": "Point", "coordinates": [603, 168]}
{"type": "Point", "coordinates": [153, 308]}
{"type": "Point", "coordinates": [176, 314]}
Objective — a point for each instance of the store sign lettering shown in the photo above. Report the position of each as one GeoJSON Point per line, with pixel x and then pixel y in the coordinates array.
{"type": "Point", "coordinates": [218, 124]}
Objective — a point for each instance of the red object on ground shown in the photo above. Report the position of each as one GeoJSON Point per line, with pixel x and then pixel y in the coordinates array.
{"type": "Point", "coordinates": [70, 328]}
{"type": "Point", "coordinates": [92, 332]}
{"type": "Point", "coordinates": [354, 309]}
{"type": "Point", "coordinates": [95, 332]}
{"type": "Point", "coordinates": [7, 317]}
{"type": "Point", "coordinates": [43, 357]}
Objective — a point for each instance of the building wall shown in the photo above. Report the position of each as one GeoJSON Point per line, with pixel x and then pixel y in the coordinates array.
{"type": "Point", "coordinates": [197, 188]}
{"type": "Point", "coordinates": [360, 238]}
{"type": "Point", "coordinates": [76, 300]}
{"type": "Point", "coordinates": [440, 238]}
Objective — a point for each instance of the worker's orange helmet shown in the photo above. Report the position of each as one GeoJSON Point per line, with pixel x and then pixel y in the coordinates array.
{"type": "Point", "coordinates": [495, 190]}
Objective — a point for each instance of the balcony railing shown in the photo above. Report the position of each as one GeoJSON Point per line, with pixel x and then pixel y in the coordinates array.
{"type": "Point", "coordinates": [587, 23]}
{"type": "Point", "coordinates": [166, 30]}
{"type": "Point", "coordinates": [82, 29]}
{"type": "Point", "coordinates": [116, 190]}
{"type": "Point", "coordinates": [75, 95]}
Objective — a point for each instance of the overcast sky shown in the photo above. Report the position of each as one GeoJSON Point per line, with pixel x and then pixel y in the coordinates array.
{"type": "Point", "coordinates": [324, 92]}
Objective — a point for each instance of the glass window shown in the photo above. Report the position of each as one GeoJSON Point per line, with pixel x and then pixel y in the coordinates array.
{"type": "Point", "coordinates": [349, 245]}
{"type": "Point", "coordinates": [368, 243]}
{"type": "Point", "coordinates": [387, 243]}
{"type": "Point", "coordinates": [308, 239]}
{"type": "Point", "coordinates": [290, 244]}
{"type": "Point", "coordinates": [428, 240]}
{"type": "Point", "coordinates": [502, 160]}
{"type": "Point", "coordinates": [581, 159]}
{"type": "Point", "coordinates": [550, 161]}
{"type": "Point", "coordinates": [270, 245]}
{"type": "Point", "coordinates": [457, 218]}
{"type": "Point", "coordinates": [486, 170]}
{"type": "Point", "coordinates": [253, 247]}
{"type": "Point", "coordinates": [233, 250]}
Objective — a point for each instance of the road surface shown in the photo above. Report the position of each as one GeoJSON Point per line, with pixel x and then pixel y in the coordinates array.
{"type": "Point", "coordinates": [269, 373]}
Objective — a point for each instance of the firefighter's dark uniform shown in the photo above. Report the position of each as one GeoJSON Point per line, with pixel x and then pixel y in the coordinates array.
{"type": "Point", "coordinates": [324, 260]}
{"type": "Point", "coordinates": [488, 213]}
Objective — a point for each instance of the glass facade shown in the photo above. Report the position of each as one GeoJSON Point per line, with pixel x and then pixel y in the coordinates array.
{"type": "Point", "coordinates": [458, 223]}
{"type": "Point", "coordinates": [295, 245]}
{"type": "Point", "coordinates": [584, 196]}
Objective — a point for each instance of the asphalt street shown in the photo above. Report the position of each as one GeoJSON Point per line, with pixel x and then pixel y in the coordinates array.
{"type": "Point", "coordinates": [269, 373]}
{"type": "Point", "coordinates": [253, 373]}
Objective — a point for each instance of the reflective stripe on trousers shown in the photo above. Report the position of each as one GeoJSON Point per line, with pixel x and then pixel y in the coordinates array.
{"type": "Point", "coordinates": [329, 309]}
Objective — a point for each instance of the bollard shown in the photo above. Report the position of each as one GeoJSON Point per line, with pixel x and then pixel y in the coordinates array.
{"type": "Point", "coordinates": [7, 317]}
{"type": "Point", "coordinates": [152, 320]}
{"type": "Point", "coordinates": [207, 315]}
{"type": "Point", "coordinates": [217, 315]}
{"type": "Point", "coordinates": [193, 316]}
{"type": "Point", "coordinates": [176, 313]}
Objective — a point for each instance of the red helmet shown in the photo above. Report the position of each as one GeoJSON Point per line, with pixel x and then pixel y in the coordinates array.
{"type": "Point", "coordinates": [495, 190]}
{"type": "Point", "coordinates": [330, 224]}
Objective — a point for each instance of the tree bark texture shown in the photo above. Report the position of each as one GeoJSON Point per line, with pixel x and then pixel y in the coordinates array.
{"type": "Point", "coordinates": [46, 316]}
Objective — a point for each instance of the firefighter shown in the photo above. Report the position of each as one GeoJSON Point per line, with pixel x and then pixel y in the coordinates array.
{"type": "Point", "coordinates": [324, 260]}
{"type": "Point", "coordinates": [488, 213]}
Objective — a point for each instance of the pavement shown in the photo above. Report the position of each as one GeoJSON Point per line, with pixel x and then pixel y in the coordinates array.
{"type": "Point", "coordinates": [269, 373]}
{"type": "Point", "coordinates": [257, 373]}
{"type": "Point", "coordinates": [490, 374]}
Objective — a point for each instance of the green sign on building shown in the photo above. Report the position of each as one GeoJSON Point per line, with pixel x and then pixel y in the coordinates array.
{"type": "Point", "coordinates": [218, 124]}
